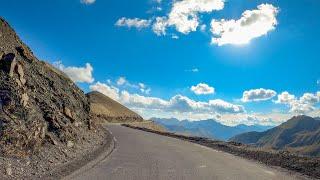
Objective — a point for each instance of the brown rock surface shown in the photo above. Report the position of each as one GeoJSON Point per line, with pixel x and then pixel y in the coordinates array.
{"type": "Point", "coordinates": [33, 100]}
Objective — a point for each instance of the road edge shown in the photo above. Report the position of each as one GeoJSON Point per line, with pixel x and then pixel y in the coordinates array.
{"type": "Point", "coordinates": [84, 163]}
{"type": "Point", "coordinates": [266, 158]}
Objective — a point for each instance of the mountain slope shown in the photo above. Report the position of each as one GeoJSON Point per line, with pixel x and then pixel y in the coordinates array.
{"type": "Point", "coordinates": [110, 110]}
{"type": "Point", "coordinates": [206, 128]}
{"type": "Point", "coordinates": [299, 134]}
{"type": "Point", "coordinates": [38, 103]}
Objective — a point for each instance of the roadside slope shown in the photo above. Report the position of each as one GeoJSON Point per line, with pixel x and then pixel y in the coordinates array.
{"type": "Point", "coordinates": [103, 107]}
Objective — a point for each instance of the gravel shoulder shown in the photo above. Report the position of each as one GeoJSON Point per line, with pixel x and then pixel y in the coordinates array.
{"type": "Point", "coordinates": [57, 161]}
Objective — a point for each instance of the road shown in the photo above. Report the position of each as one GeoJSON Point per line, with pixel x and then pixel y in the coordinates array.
{"type": "Point", "coordinates": [141, 155]}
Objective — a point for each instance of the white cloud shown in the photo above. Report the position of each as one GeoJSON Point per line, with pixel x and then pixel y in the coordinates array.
{"type": "Point", "coordinates": [175, 37]}
{"type": "Point", "coordinates": [252, 24]}
{"type": "Point", "coordinates": [107, 90]}
{"type": "Point", "coordinates": [194, 70]}
{"type": "Point", "coordinates": [144, 88]}
{"type": "Point", "coordinates": [159, 27]}
{"type": "Point", "coordinates": [285, 98]}
{"type": "Point", "coordinates": [203, 27]}
{"type": "Point", "coordinates": [202, 88]}
{"type": "Point", "coordinates": [77, 74]}
{"type": "Point", "coordinates": [87, 1]}
{"type": "Point", "coordinates": [133, 23]}
{"type": "Point", "coordinates": [178, 103]}
{"type": "Point", "coordinates": [309, 98]}
{"type": "Point", "coordinates": [121, 81]}
{"type": "Point", "coordinates": [184, 14]}
{"type": "Point", "coordinates": [258, 95]}
{"type": "Point", "coordinates": [305, 104]}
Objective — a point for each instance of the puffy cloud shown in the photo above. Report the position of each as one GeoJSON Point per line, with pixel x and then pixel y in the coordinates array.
{"type": "Point", "coordinates": [303, 105]}
{"type": "Point", "coordinates": [133, 23]}
{"type": "Point", "coordinates": [121, 81]}
{"type": "Point", "coordinates": [252, 24]}
{"type": "Point", "coordinates": [258, 95]}
{"type": "Point", "coordinates": [77, 74]}
{"type": "Point", "coordinates": [107, 90]}
{"type": "Point", "coordinates": [309, 98]}
{"type": "Point", "coordinates": [176, 104]}
{"type": "Point", "coordinates": [300, 108]}
{"type": "Point", "coordinates": [202, 88]}
{"type": "Point", "coordinates": [160, 25]}
{"type": "Point", "coordinates": [87, 1]}
{"type": "Point", "coordinates": [285, 98]}
{"type": "Point", "coordinates": [184, 14]}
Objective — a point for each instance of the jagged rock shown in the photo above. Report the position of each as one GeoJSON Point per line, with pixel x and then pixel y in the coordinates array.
{"type": "Point", "coordinates": [68, 113]}
{"type": "Point", "coordinates": [24, 99]}
{"type": "Point", "coordinates": [70, 144]}
{"type": "Point", "coordinates": [9, 63]}
{"type": "Point", "coordinates": [20, 72]}
{"type": "Point", "coordinates": [25, 52]}
{"type": "Point", "coordinates": [9, 170]}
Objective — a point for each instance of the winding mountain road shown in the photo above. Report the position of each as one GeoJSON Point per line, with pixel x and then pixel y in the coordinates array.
{"type": "Point", "coordinates": [140, 155]}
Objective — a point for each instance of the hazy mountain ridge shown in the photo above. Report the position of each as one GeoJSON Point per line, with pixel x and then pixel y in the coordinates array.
{"type": "Point", "coordinates": [207, 128]}
{"type": "Point", "coordinates": [300, 134]}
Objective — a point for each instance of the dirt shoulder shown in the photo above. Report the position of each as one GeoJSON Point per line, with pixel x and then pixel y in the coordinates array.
{"type": "Point", "coordinates": [55, 161]}
{"type": "Point", "coordinates": [307, 166]}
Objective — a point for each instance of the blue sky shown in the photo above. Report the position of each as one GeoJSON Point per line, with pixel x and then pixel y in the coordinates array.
{"type": "Point", "coordinates": [281, 57]}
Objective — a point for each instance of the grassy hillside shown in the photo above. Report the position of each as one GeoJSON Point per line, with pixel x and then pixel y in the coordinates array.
{"type": "Point", "coordinates": [300, 134]}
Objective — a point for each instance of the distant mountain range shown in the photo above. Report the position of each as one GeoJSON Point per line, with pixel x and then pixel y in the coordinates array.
{"type": "Point", "coordinates": [207, 128]}
{"type": "Point", "coordinates": [300, 134]}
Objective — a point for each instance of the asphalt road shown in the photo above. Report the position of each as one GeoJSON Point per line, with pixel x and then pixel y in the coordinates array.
{"type": "Point", "coordinates": [145, 156]}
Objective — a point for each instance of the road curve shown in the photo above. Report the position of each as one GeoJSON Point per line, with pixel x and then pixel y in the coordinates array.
{"type": "Point", "coordinates": [141, 155]}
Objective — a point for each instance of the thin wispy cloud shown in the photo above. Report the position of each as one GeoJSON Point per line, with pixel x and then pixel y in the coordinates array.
{"type": "Point", "coordinates": [133, 23]}
{"type": "Point", "coordinates": [87, 2]}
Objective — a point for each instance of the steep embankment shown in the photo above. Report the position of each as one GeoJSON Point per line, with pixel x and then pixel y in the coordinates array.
{"type": "Point", "coordinates": [300, 134]}
{"type": "Point", "coordinates": [44, 116]}
{"type": "Point", "coordinates": [103, 107]}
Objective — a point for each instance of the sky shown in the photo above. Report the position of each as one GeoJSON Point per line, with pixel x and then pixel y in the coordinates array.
{"type": "Point", "coordinates": [236, 61]}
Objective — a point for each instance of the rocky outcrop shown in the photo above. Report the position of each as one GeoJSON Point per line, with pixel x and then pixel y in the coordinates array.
{"type": "Point", "coordinates": [38, 103]}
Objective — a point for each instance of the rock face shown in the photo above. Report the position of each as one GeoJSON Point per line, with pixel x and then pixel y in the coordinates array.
{"type": "Point", "coordinates": [300, 134]}
{"type": "Point", "coordinates": [103, 107]}
{"type": "Point", "coordinates": [38, 103]}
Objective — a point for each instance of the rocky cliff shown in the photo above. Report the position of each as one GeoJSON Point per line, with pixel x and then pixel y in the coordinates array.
{"type": "Point", "coordinates": [38, 103]}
